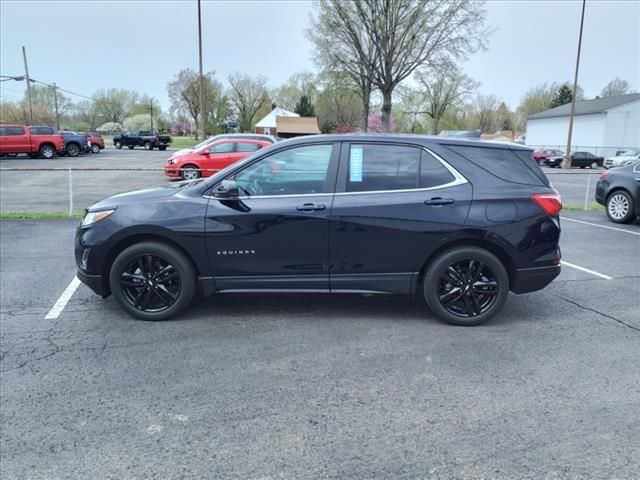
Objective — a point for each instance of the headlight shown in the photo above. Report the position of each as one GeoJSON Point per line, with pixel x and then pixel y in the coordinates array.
{"type": "Point", "coordinates": [171, 161]}
{"type": "Point", "coordinates": [95, 217]}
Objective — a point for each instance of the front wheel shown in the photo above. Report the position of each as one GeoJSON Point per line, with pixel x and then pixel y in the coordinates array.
{"type": "Point", "coordinates": [620, 207]}
{"type": "Point", "coordinates": [190, 172]}
{"type": "Point", "coordinates": [162, 149]}
{"type": "Point", "coordinates": [152, 280]}
{"type": "Point", "coordinates": [594, 165]}
{"type": "Point", "coordinates": [95, 148]}
{"type": "Point", "coordinates": [466, 286]}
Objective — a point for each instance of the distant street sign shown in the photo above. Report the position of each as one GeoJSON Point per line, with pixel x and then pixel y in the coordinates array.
{"type": "Point", "coordinates": [232, 125]}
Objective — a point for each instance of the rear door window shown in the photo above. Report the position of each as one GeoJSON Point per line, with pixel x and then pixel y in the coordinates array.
{"type": "Point", "coordinates": [500, 162]}
{"type": "Point", "coordinates": [247, 147]}
{"type": "Point", "coordinates": [226, 147]}
{"type": "Point", "coordinates": [377, 167]}
{"type": "Point", "coordinates": [432, 172]}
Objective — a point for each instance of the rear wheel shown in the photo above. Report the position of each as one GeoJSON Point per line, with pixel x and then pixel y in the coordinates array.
{"type": "Point", "coordinates": [47, 151]}
{"type": "Point", "coordinates": [95, 148]}
{"type": "Point", "coordinates": [147, 146]}
{"type": "Point", "coordinates": [466, 286]}
{"type": "Point", "coordinates": [594, 165]}
{"type": "Point", "coordinates": [152, 280]}
{"type": "Point", "coordinates": [118, 145]}
{"type": "Point", "coordinates": [73, 149]}
{"type": "Point", "coordinates": [620, 207]}
{"type": "Point", "coordinates": [190, 172]}
{"type": "Point", "coordinates": [162, 149]}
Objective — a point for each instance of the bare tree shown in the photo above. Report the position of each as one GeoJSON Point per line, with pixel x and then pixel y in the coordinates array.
{"type": "Point", "coordinates": [247, 95]}
{"type": "Point", "coordinates": [616, 87]}
{"type": "Point", "coordinates": [185, 98]}
{"type": "Point", "coordinates": [343, 47]}
{"type": "Point", "coordinates": [390, 39]}
{"type": "Point", "coordinates": [486, 107]}
{"type": "Point", "coordinates": [86, 112]}
{"type": "Point", "coordinates": [444, 86]}
{"type": "Point", "coordinates": [298, 85]}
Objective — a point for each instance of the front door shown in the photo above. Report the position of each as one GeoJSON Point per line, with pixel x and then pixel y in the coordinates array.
{"type": "Point", "coordinates": [275, 235]}
{"type": "Point", "coordinates": [392, 207]}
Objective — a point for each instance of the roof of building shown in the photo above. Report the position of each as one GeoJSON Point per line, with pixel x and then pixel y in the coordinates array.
{"type": "Point", "coordinates": [269, 121]}
{"type": "Point", "coordinates": [303, 125]}
{"type": "Point", "coordinates": [584, 107]}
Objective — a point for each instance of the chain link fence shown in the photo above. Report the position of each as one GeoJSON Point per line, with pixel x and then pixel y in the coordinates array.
{"type": "Point", "coordinates": [68, 191]}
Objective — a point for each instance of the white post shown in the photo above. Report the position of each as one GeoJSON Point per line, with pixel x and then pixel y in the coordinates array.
{"type": "Point", "coordinates": [70, 192]}
{"type": "Point", "coordinates": [586, 195]}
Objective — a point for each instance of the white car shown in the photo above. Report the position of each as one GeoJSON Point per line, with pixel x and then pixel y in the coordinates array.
{"type": "Point", "coordinates": [622, 159]}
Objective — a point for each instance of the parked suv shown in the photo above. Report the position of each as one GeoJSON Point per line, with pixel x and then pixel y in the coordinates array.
{"type": "Point", "coordinates": [141, 139]}
{"type": "Point", "coordinates": [460, 222]}
{"type": "Point", "coordinates": [16, 139]}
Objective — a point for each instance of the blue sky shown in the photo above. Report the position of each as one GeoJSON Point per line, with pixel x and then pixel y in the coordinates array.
{"type": "Point", "coordinates": [140, 45]}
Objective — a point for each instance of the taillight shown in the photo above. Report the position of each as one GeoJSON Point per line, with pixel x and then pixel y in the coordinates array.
{"type": "Point", "coordinates": [604, 175]}
{"type": "Point", "coordinates": [549, 202]}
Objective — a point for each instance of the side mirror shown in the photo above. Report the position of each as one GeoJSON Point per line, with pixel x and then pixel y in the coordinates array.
{"type": "Point", "coordinates": [227, 189]}
{"type": "Point", "coordinates": [206, 152]}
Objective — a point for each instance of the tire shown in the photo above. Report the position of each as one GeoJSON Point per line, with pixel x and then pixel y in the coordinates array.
{"type": "Point", "coordinates": [147, 293]}
{"type": "Point", "coordinates": [73, 149]}
{"type": "Point", "coordinates": [594, 165]}
{"type": "Point", "coordinates": [620, 207]}
{"type": "Point", "coordinates": [190, 172]}
{"type": "Point", "coordinates": [148, 146]}
{"type": "Point", "coordinates": [162, 149]}
{"type": "Point", "coordinates": [47, 151]}
{"type": "Point", "coordinates": [118, 145]}
{"type": "Point", "coordinates": [471, 306]}
{"type": "Point", "coordinates": [95, 148]}
{"type": "Point", "coordinates": [131, 147]}
{"type": "Point", "coordinates": [12, 155]}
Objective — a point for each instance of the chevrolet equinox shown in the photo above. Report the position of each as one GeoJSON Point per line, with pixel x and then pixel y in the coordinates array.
{"type": "Point", "coordinates": [460, 222]}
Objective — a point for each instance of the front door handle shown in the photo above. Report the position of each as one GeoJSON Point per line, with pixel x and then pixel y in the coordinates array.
{"type": "Point", "coordinates": [439, 201]}
{"type": "Point", "coordinates": [310, 207]}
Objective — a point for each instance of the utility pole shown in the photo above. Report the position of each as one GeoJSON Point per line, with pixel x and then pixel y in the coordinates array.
{"type": "Point", "coordinates": [28, 80]}
{"type": "Point", "coordinates": [55, 102]}
{"type": "Point", "coordinates": [152, 116]}
{"type": "Point", "coordinates": [201, 93]}
{"type": "Point", "coordinates": [566, 163]}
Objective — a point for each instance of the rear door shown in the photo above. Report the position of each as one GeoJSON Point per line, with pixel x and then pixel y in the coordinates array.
{"type": "Point", "coordinates": [394, 203]}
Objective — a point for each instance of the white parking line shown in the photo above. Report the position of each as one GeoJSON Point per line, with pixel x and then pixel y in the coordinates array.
{"type": "Point", "coordinates": [601, 226]}
{"type": "Point", "coordinates": [582, 269]}
{"type": "Point", "coordinates": [57, 309]}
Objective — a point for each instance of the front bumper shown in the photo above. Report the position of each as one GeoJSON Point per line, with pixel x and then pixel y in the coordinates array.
{"type": "Point", "coordinates": [172, 171]}
{"type": "Point", "coordinates": [528, 280]}
{"type": "Point", "coordinates": [94, 282]}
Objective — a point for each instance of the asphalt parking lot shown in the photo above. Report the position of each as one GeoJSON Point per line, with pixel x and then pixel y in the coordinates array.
{"type": "Point", "coordinates": [301, 386]}
{"type": "Point", "coordinates": [48, 191]}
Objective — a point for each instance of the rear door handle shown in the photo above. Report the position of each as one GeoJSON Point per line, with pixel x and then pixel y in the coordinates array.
{"type": "Point", "coordinates": [439, 201]}
{"type": "Point", "coordinates": [310, 207]}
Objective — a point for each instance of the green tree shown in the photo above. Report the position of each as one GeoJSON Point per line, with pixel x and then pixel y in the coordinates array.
{"type": "Point", "coordinates": [562, 96]}
{"type": "Point", "coordinates": [289, 94]}
{"type": "Point", "coordinates": [339, 104]}
{"type": "Point", "coordinates": [305, 108]}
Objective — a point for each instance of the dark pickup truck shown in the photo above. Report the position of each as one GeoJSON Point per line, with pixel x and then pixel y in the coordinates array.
{"type": "Point", "coordinates": [148, 140]}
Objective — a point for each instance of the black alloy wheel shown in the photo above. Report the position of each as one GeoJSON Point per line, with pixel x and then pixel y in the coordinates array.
{"type": "Point", "coordinates": [466, 286]}
{"type": "Point", "coordinates": [152, 281]}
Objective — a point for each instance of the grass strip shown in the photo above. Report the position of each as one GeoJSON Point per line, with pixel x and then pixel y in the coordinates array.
{"type": "Point", "coordinates": [37, 215]}
{"type": "Point", "coordinates": [576, 207]}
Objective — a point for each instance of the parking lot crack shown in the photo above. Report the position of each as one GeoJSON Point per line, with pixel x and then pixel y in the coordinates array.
{"type": "Point", "coordinates": [602, 314]}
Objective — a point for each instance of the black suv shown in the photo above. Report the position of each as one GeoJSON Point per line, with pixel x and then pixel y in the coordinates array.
{"type": "Point", "coordinates": [460, 222]}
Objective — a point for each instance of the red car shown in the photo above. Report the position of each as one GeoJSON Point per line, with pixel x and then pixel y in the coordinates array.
{"type": "Point", "coordinates": [16, 139]}
{"type": "Point", "coordinates": [211, 158]}
{"type": "Point", "coordinates": [541, 155]}
{"type": "Point", "coordinates": [96, 141]}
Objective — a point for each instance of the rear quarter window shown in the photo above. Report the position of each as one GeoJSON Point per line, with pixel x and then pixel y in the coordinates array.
{"type": "Point", "coordinates": [500, 162]}
{"type": "Point", "coordinates": [11, 131]}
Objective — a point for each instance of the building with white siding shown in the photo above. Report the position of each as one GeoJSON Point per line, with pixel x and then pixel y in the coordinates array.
{"type": "Point", "coordinates": [601, 126]}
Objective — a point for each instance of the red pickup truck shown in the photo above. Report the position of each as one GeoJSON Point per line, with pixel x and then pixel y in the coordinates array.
{"type": "Point", "coordinates": [16, 139]}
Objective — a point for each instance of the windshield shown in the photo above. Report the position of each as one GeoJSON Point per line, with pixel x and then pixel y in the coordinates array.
{"type": "Point", "coordinates": [631, 153]}
{"type": "Point", "coordinates": [206, 142]}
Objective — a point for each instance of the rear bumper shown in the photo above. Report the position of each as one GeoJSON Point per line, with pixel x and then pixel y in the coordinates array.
{"type": "Point", "coordinates": [532, 279]}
